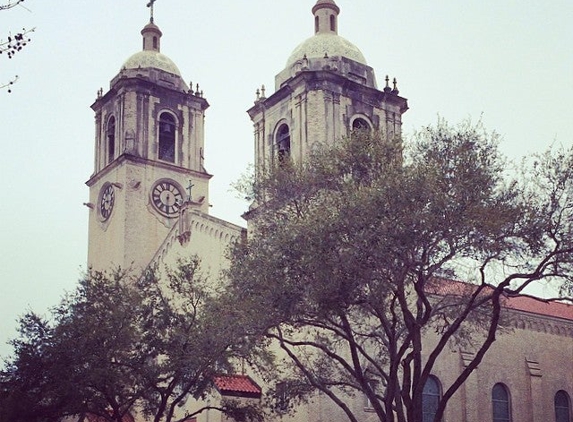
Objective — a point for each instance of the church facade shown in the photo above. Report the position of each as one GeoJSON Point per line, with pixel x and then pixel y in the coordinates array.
{"type": "Point", "coordinates": [149, 204]}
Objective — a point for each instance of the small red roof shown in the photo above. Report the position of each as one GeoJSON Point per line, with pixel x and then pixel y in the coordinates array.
{"type": "Point", "coordinates": [237, 385]}
{"type": "Point", "coordinates": [94, 418]}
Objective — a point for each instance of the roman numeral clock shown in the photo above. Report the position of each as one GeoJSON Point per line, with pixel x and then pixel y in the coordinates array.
{"type": "Point", "coordinates": [106, 201]}
{"type": "Point", "coordinates": [166, 197]}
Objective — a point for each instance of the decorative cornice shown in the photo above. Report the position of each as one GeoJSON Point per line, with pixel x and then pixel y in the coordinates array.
{"type": "Point", "coordinates": [313, 80]}
{"type": "Point", "coordinates": [128, 158]}
{"type": "Point", "coordinates": [540, 323]}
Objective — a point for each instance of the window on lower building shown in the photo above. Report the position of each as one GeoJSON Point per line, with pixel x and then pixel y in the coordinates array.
{"type": "Point", "coordinates": [282, 398]}
{"type": "Point", "coordinates": [374, 386]}
{"type": "Point", "coordinates": [283, 143]}
{"type": "Point", "coordinates": [501, 406]}
{"type": "Point", "coordinates": [562, 407]}
{"type": "Point", "coordinates": [110, 134]}
{"type": "Point", "coordinates": [167, 137]}
{"type": "Point", "coordinates": [430, 398]}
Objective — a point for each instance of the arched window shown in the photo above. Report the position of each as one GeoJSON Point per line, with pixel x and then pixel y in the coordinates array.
{"type": "Point", "coordinates": [332, 23]}
{"type": "Point", "coordinates": [283, 143]}
{"type": "Point", "coordinates": [360, 124]}
{"type": "Point", "coordinates": [562, 407]}
{"type": "Point", "coordinates": [155, 43]}
{"type": "Point", "coordinates": [167, 137]}
{"type": "Point", "coordinates": [316, 24]}
{"type": "Point", "coordinates": [110, 135]}
{"type": "Point", "coordinates": [430, 399]}
{"type": "Point", "coordinates": [500, 403]}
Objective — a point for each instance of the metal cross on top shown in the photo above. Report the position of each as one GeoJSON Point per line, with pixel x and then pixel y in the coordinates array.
{"type": "Point", "coordinates": [189, 188]}
{"type": "Point", "coordinates": [150, 5]}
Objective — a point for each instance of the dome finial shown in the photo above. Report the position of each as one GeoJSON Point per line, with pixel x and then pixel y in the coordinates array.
{"type": "Point", "coordinates": [325, 17]}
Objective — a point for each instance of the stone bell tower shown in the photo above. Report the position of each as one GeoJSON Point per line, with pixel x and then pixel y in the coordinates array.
{"type": "Point", "coordinates": [149, 143]}
{"type": "Point", "coordinates": [325, 91]}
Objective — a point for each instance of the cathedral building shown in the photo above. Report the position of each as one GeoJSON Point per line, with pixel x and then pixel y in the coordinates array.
{"type": "Point", "coordinates": [149, 203]}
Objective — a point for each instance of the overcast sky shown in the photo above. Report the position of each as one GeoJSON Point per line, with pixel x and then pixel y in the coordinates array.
{"type": "Point", "coordinates": [507, 62]}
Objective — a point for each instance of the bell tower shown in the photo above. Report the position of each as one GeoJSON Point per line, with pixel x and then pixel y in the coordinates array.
{"type": "Point", "coordinates": [325, 91]}
{"type": "Point", "coordinates": [149, 143]}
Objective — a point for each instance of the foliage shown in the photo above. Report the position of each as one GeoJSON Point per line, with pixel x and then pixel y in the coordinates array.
{"type": "Point", "coordinates": [351, 263]}
{"type": "Point", "coordinates": [14, 42]}
{"type": "Point", "coordinates": [120, 345]}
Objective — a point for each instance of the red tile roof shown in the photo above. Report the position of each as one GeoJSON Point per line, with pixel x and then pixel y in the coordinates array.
{"type": "Point", "coordinates": [529, 304]}
{"type": "Point", "coordinates": [237, 385]}
{"type": "Point", "coordinates": [540, 307]}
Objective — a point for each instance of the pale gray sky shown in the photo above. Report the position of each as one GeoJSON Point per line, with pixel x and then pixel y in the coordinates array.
{"type": "Point", "coordinates": [509, 62]}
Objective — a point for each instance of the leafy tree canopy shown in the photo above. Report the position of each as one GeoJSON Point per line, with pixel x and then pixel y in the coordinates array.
{"type": "Point", "coordinates": [354, 255]}
{"type": "Point", "coordinates": [122, 345]}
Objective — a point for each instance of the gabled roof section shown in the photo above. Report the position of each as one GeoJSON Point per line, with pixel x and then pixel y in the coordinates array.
{"type": "Point", "coordinates": [237, 386]}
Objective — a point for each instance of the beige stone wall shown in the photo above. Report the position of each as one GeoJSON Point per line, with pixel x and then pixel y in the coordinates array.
{"type": "Point", "coordinates": [534, 363]}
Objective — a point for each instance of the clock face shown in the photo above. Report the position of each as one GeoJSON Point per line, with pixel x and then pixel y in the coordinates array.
{"type": "Point", "coordinates": [106, 202]}
{"type": "Point", "coordinates": [166, 196]}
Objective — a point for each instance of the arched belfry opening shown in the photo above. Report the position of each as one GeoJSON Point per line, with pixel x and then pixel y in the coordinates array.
{"type": "Point", "coordinates": [167, 126]}
{"type": "Point", "coordinates": [360, 124]}
{"type": "Point", "coordinates": [110, 135]}
{"type": "Point", "coordinates": [283, 143]}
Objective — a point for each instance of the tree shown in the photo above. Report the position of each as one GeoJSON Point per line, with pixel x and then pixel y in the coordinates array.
{"type": "Point", "coordinates": [14, 42]}
{"type": "Point", "coordinates": [354, 255]}
{"type": "Point", "coordinates": [122, 345]}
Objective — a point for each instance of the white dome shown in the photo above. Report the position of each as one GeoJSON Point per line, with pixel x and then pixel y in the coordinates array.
{"type": "Point", "coordinates": [151, 59]}
{"type": "Point", "coordinates": [326, 43]}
